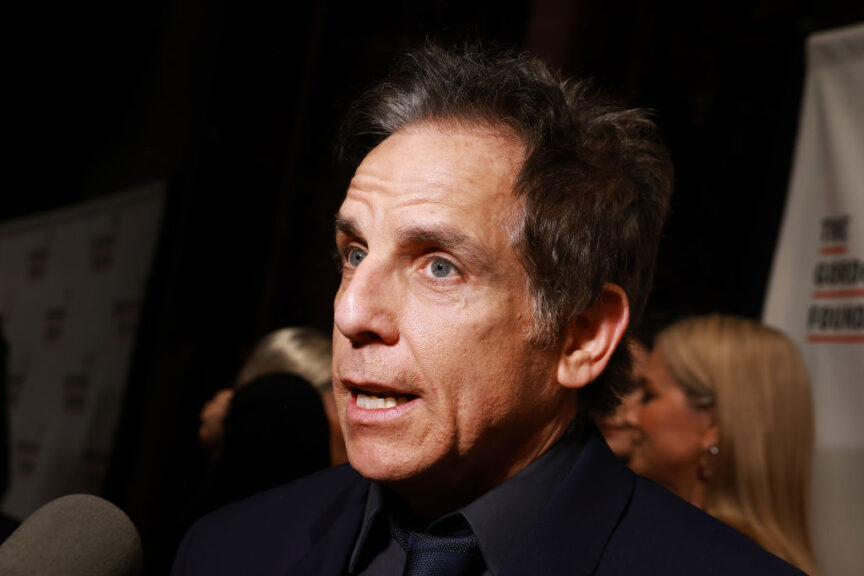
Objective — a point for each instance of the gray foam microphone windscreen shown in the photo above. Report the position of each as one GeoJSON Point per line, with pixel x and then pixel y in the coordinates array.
{"type": "Point", "coordinates": [73, 536]}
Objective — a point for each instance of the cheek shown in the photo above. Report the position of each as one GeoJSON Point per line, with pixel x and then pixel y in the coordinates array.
{"type": "Point", "coordinates": [471, 348]}
{"type": "Point", "coordinates": [474, 358]}
{"type": "Point", "coordinates": [648, 416]}
{"type": "Point", "coordinates": [659, 424]}
{"type": "Point", "coordinates": [671, 435]}
{"type": "Point", "coordinates": [648, 424]}
{"type": "Point", "coordinates": [453, 340]}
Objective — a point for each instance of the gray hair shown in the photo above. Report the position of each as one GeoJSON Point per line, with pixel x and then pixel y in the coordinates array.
{"type": "Point", "coordinates": [594, 184]}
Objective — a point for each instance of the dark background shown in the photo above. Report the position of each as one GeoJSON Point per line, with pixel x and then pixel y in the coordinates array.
{"type": "Point", "coordinates": [236, 104]}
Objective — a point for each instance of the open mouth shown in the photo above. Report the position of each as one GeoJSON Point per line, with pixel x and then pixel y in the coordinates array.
{"type": "Point", "coordinates": [381, 401]}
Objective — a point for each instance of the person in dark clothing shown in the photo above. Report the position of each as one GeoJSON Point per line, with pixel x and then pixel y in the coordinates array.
{"type": "Point", "coordinates": [270, 427]}
{"type": "Point", "coordinates": [275, 431]}
{"type": "Point", "coordinates": [496, 239]}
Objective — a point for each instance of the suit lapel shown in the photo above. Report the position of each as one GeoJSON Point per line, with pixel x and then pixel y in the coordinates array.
{"type": "Point", "coordinates": [572, 532]}
{"type": "Point", "coordinates": [331, 537]}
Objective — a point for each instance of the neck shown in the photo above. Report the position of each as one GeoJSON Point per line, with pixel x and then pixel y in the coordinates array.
{"type": "Point", "coordinates": [435, 495]}
{"type": "Point", "coordinates": [694, 492]}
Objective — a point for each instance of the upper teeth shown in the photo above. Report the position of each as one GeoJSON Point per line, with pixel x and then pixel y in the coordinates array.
{"type": "Point", "coordinates": [375, 402]}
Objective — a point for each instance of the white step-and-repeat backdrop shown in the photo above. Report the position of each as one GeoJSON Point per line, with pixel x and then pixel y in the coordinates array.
{"type": "Point", "coordinates": [71, 286]}
{"type": "Point", "coordinates": [816, 292]}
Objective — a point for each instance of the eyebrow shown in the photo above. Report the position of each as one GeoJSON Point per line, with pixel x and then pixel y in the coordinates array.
{"type": "Point", "coordinates": [449, 239]}
{"type": "Point", "coordinates": [346, 226]}
{"type": "Point", "coordinates": [443, 236]}
{"type": "Point", "coordinates": [439, 236]}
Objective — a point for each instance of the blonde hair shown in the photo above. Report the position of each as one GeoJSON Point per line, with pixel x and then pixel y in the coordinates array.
{"type": "Point", "coordinates": [756, 381]}
{"type": "Point", "coordinates": [304, 352]}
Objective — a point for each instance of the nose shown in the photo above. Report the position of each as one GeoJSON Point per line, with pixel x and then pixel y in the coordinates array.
{"type": "Point", "coordinates": [366, 307]}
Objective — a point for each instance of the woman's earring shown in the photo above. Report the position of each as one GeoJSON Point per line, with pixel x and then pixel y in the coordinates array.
{"type": "Point", "coordinates": [704, 469]}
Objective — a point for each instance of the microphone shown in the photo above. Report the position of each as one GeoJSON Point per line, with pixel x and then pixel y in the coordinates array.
{"type": "Point", "coordinates": [75, 535]}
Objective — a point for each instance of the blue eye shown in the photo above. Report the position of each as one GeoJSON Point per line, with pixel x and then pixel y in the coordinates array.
{"type": "Point", "coordinates": [355, 256]}
{"type": "Point", "coordinates": [440, 268]}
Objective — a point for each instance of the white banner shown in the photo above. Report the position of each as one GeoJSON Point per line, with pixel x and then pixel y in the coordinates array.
{"type": "Point", "coordinates": [816, 292]}
{"type": "Point", "coordinates": [71, 286]}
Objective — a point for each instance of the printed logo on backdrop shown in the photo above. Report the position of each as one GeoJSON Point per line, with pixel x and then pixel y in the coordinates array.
{"type": "Point", "coordinates": [26, 457]}
{"type": "Point", "coordinates": [76, 386]}
{"type": "Point", "coordinates": [55, 322]}
{"type": "Point", "coordinates": [103, 248]}
{"type": "Point", "coordinates": [55, 319]}
{"type": "Point", "coordinates": [37, 262]}
{"type": "Point", "coordinates": [125, 314]}
{"type": "Point", "coordinates": [836, 312]}
{"type": "Point", "coordinates": [18, 372]}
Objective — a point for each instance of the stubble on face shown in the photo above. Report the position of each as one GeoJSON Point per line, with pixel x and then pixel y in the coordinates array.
{"type": "Point", "coordinates": [432, 315]}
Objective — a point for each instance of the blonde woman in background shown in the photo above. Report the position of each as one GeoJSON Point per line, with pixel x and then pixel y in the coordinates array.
{"type": "Point", "coordinates": [302, 351]}
{"type": "Point", "coordinates": [617, 427]}
{"type": "Point", "coordinates": [726, 423]}
{"type": "Point", "coordinates": [272, 426]}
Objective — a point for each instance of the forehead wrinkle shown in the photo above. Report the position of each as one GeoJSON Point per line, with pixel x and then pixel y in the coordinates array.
{"type": "Point", "coordinates": [404, 192]}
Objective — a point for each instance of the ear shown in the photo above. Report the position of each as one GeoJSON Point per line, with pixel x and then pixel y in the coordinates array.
{"type": "Point", "coordinates": [592, 337]}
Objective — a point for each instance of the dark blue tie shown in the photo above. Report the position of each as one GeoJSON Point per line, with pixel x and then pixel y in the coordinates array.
{"type": "Point", "coordinates": [437, 555]}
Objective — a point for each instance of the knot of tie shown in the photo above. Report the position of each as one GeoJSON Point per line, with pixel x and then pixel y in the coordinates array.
{"type": "Point", "coordinates": [438, 555]}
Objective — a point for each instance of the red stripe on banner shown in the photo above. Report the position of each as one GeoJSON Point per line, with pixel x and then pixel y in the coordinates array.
{"type": "Point", "coordinates": [835, 338]}
{"type": "Point", "coordinates": [827, 250]}
{"type": "Point", "coordinates": [838, 293]}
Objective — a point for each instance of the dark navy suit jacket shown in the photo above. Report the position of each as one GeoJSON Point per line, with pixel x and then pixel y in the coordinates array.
{"type": "Point", "coordinates": [603, 520]}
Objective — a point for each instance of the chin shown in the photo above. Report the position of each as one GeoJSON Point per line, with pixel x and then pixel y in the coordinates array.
{"type": "Point", "coordinates": [637, 464]}
{"type": "Point", "coordinates": [383, 464]}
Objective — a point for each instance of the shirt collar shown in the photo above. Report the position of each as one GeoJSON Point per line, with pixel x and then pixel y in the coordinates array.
{"type": "Point", "coordinates": [373, 517]}
{"type": "Point", "coordinates": [491, 516]}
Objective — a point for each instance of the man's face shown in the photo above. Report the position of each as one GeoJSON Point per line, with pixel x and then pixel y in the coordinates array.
{"type": "Point", "coordinates": [436, 384]}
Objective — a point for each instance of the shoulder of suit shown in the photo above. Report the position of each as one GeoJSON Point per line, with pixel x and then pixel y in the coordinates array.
{"type": "Point", "coordinates": [283, 508]}
{"type": "Point", "coordinates": [662, 533]}
{"type": "Point", "coordinates": [254, 535]}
